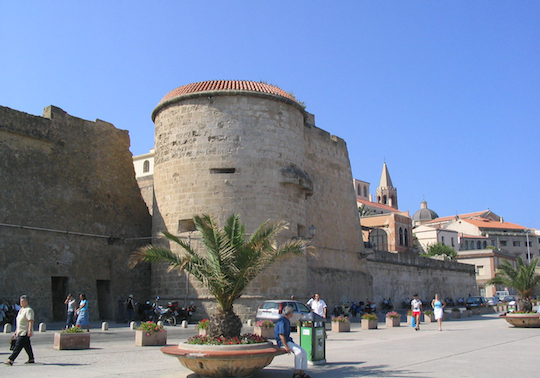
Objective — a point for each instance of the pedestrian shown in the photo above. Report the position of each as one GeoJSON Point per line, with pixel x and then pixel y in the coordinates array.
{"type": "Point", "coordinates": [70, 302]}
{"type": "Point", "coordinates": [83, 317]}
{"type": "Point", "coordinates": [282, 334]}
{"type": "Point", "coordinates": [438, 309]}
{"type": "Point", "coordinates": [130, 308]}
{"type": "Point", "coordinates": [416, 307]}
{"type": "Point", "coordinates": [318, 305]}
{"type": "Point", "coordinates": [23, 333]}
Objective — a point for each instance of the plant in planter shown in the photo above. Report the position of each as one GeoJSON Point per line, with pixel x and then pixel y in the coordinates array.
{"type": "Point", "coordinates": [150, 333]}
{"type": "Point", "coordinates": [341, 324]}
{"type": "Point", "coordinates": [429, 316]}
{"type": "Point", "coordinates": [392, 319]}
{"type": "Point", "coordinates": [202, 327]}
{"type": "Point", "coordinates": [264, 328]}
{"type": "Point", "coordinates": [523, 278]}
{"type": "Point", "coordinates": [227, 262]}
{"type": "Point", "coordinates": [369, 321]}
{"type": "Point", "coordinates": [456, 313]}
{"type": "Point", "coordinates": [71, 338]}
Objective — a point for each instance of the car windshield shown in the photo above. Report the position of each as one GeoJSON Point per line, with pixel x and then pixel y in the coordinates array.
{"type": "Point", "coordinates": [473, 300]}
{"type": "Point", "coordinates": [303, 308]}
{"type": "Point", "coordinates": [270, 306]}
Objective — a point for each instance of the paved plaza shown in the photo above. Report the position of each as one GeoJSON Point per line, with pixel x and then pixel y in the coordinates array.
{"type": "Point", "coordinates": [479, 346]}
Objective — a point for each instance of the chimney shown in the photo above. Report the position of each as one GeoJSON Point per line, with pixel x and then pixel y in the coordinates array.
{"type": "Point", "coordinates": [501, 219]}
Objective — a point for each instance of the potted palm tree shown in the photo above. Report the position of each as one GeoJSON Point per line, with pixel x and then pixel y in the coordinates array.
{"type": "Point", "coordinates": [524, 279]}
{"type": "Point", "coordinates": [225, 264]}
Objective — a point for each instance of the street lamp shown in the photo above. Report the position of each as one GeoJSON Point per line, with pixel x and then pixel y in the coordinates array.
{"type": "Point", "coordinates": [312, 231]}
{"type": "Point", "coordinates": [528, 246]}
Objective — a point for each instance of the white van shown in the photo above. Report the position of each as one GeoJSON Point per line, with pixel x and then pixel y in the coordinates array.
{"type": "Point", "coordinates": [501, 294]}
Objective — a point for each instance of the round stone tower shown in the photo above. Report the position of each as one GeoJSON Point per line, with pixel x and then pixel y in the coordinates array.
{"type": "Point", "coordinates": [224, 147]}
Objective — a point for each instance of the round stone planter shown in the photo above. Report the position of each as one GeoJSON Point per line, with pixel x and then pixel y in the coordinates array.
{"type": "Point", "coordinates": [369, 324]}
{"type": "Point", "coordinates": [144, 339]}
{"type": "Point", "coordinates": [341, 326]}
{"type": "Point", "coordinates": [224, 360]}
{"type": "Point", "coordinates": [529, 320]}
{"type": "Point", "coordinates": [70, 341]}
{"type": "Point", "coordinates": [392, 322]}
{"type": "Point", "coordinates": [264, 332]}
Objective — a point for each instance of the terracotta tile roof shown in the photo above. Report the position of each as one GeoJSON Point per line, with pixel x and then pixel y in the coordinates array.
{"type": "Point", "coordinates": [377, 205]}
{"type": "Point", "coordinates": [461, 216]}
{"type": "Point", "coordinates": [486, 223]}
{"type": "Point", "coordinates": [227, 85]}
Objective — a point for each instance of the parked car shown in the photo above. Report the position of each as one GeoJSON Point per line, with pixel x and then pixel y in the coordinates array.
{"type": "Point", "coordinates": [492, 301]}
{"type": "Point", "coordinates": [510, 300]}
{"type": "Point", "coordinates": [475, 302]}
{"type": "Point", "coordinates": [271, 310]}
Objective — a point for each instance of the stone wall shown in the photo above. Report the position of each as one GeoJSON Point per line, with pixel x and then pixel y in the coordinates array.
{"type": "Point", "coordinates": [69, 204]}
{"type": "Point", "coordinates": [400, 275]}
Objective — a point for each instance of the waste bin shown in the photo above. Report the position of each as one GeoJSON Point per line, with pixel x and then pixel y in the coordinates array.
{"type": "Point", "coordinates": [313, 338]}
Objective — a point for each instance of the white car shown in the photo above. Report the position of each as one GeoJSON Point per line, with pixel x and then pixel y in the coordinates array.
{"type": "Point", "coordinates": [492, 301]}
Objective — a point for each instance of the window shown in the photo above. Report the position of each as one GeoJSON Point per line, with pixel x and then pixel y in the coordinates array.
{"type": "Point", "coordinates": [365, 191]}
{"type": "Point", "coordinates": [529, 244]}
{"type": "Point", "coordinates": [222, 170]}
{"type": "Point", "coordinates": [400, 236]}
{"type": "Point", "coordinates": [406, 238]}
{"type": "Point", "coordinates": [516, 244]}
{"type": "Point", "coordinates": [503, 243]}
{"type": "Point", "coordinates": [484, 244]}
{"type": "Point", "coordinates": [442, 239]}
{"type": "Point", "coordinates": [452, 241]}
{"type": "Point", "coordinates": [478, 244]}
{"type": "Point", "coordinates": [480, 270]}
{"type": "Point", "coordinates": [146, 166]}
{"type": "Point", "coordinates": [186, 225]}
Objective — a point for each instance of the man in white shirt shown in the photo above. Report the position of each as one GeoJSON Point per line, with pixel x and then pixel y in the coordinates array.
{"type": "Point", "coordinates": [318, 306]}
{"type": "Point", "coordinates": [25, 325]}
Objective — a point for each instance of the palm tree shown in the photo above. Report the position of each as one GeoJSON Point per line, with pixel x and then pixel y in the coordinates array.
{"type": "Point", "coordinates": [228, 262]}
{"type": "Point", "coordinates": [522, 278]}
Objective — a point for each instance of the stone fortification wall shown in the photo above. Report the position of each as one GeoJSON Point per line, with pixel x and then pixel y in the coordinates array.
{"type": "Point", "coordinates": [337, 272]}
{"type": "Point", "coordinates": [68, 202]}
{"type": "Point", "coordinates": [256, 155]}
{"type": "Point", "coordinates": [400, 275]}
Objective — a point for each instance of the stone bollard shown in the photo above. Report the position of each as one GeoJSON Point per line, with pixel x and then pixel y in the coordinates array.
{"type": "Point", "coordinates": [7, 328]}
{"type": "Point", "coordinates": [184, 323]}
{"type": "Point", "coordinates": [133, 326]}
{"type": "Point", "coordinates": [42, 327]}
{"type": "Point", "coordinates": [249, 323]}
{"type": "Point", "coordinates": [160, 323]}
{"type": "Point", "coordinates": [104, 326]}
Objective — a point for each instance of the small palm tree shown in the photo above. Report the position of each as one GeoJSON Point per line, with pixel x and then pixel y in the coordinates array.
{"type": "Point", "coordinates": [228, 263]}
{"type": "Point", "coordinates": [522, 278]}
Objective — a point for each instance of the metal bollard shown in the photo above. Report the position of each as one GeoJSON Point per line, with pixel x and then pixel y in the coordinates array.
{"type": "Point", "coordinates": [42, 327]}
{"type": "Point", "coordinates": [104, 326]}
{"type": "Point", "coordinates": [133, 326]}
{"type": "Point", "coordinates": [7, 328]}
{"type": "Point", "coordinates": [184, 323]}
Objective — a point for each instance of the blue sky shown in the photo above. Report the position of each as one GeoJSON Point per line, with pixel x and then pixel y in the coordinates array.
{"type": "Point", "coordinates": [447, 92]}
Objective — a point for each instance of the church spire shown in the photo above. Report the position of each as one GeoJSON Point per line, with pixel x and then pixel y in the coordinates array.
{"type": "Point", "coordinates": [386, 193]}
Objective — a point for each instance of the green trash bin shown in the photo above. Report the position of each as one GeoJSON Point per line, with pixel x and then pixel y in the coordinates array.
{"type": "Point", "coordinates": [313, 338]}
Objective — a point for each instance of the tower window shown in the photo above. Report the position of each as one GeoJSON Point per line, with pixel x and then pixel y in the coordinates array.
{"type": "Point", "coordinates": [146, 166]}
{"type": "Point", "coordinates": [186, 225]}
{"type": "Point", "coordinates": [222, 170]}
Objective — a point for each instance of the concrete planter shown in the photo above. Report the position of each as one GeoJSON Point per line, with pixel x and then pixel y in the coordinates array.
{"type": "Point", "coordinates": [392, 322]}
{"type": "Point", "coordinates": [529, 320]}
{"type": "Point", "coordinates": [369, 324]}
{"type": "Point", "coordinates": [429, 318]}
{"type": "Point", "coordinates": [456, 315]}
{"type": "Point", "coordinates": [224, 360]}
{"type": "Point", "coordinates": [341, 326]}
{"type": "Point", "coordinates": [264, 332]}
{"type": "Point", "coordinates": [144, 339]}
{"type": "Point", "coordinates": [475, 311]}
{"type": "Point", "coordinates": [70, 341]}
{"type": "Point", "coordinates": [466, 314]}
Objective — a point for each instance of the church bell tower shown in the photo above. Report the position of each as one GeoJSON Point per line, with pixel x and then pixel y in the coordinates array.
{"type": "Point", "coordinates": [386, 193]}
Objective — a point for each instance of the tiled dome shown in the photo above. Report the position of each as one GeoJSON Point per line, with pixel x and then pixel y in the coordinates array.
{"type": "Point", "coordinates": [227, 85]}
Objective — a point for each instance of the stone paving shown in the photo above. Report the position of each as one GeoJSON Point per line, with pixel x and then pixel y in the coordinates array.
{"type": "Point", "coordinates": [479, 346]}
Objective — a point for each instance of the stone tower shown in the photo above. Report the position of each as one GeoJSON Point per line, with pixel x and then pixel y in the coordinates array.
{"type": "Point", "coordinates": [224, 147]}
{"type": "Point", "coordinates": [386, 193]}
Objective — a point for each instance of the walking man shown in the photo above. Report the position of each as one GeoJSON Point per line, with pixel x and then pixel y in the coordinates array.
{"type": "Point", "coordinates": [25, 326]}
{"type": "Point", "coordinates": [282, 333]}
{"type": "Point", "coordinates": [318, 305]}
